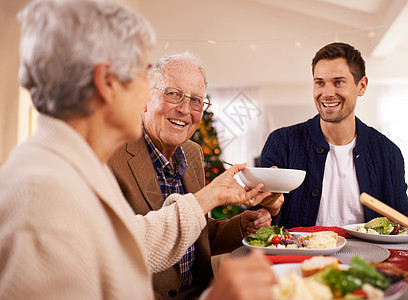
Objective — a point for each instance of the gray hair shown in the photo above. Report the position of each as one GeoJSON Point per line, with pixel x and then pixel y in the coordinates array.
{"type": "Point", "coordinates": [62, 41]}
{"type": "Point", "coordinates": [185, 57]}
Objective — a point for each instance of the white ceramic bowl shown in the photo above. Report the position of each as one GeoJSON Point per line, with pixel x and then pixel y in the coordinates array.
{"type": "Point", "coordinates": [274, 180]}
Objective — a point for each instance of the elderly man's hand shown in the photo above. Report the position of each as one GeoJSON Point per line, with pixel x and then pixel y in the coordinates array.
{"type": "Point", "coordinates": [251, 221]}
{"type": "Point", "coordinates": [224, 190]}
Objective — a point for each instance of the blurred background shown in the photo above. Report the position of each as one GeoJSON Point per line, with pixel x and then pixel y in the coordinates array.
{"type": "Point", "coordinates": [257, 56]}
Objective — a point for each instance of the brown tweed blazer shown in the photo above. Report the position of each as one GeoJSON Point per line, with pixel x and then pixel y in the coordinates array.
{"type": "Point", "coordinates": [135, 173]}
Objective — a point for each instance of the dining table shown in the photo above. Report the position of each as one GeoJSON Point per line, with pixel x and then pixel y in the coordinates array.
{"type": "Point", "coordinates": [391, 256]}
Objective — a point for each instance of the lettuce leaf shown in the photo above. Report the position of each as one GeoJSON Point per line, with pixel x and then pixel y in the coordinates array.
{"type": "Point", "coordinates": [263, 233]}
{"type": "Point", "coordinates": [360, 272]}
{"type": "Point", "coordinates": [260, 238]}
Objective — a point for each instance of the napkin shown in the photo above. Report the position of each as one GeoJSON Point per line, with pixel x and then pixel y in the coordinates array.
{"type": "Point", "coordinates": [286, 259]}
{"type": "Point", "coordinates": [399, 259]}
{"type": "Point", "coordinates": [340, 231]}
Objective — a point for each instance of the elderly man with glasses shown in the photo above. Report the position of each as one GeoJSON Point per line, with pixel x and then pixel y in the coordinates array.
{"type": "Point", "coordinates": [164, 161]}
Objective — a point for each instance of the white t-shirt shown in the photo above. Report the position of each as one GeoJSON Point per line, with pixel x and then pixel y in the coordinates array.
{"type": "Point", "coordinates": [339, 204]}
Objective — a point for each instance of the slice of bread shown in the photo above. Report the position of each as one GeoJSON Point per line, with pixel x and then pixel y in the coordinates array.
{"type": "Point", "coordinates": [317, 263]}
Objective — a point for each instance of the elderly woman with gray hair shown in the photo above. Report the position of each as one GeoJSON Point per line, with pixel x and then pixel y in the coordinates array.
{"type": "Point", "coordinates": [66, 231]}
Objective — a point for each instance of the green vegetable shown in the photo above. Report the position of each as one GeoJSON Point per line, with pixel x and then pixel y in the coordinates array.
{"type": "Point", "coordinates": [362, 269]}
{"type": "Point", "coordinates": [258, 243]}
{"type": "Point", "coordinates": [263, 234]}
{"type": "Point", "coordinates": [341, 282]}
{"type": "Point", "coordinates": [381, 224]}
{"type": "Point", "coordinates": [345, 282]}
{"type": "Point", "coordinates": [352, 297]}
{"type": "Point", "coordinates": [273, 236]}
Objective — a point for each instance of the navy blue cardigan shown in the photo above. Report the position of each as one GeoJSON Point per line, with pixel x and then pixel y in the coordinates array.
{"type": "Point", "coordinates": [379, 166]}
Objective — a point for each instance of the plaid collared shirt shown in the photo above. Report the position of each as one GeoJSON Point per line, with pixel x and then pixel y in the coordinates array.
{"type": "Point", "coordinates": [170, 183]}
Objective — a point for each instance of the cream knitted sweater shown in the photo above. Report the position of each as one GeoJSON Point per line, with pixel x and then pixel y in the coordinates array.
{"type": "Point", "coordinates": [66, 231]}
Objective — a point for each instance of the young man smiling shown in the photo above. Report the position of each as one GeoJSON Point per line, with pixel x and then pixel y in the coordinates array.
{"type": "Point", "coordinates": [342, 156]}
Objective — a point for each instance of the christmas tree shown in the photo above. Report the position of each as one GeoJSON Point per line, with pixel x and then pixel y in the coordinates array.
{"type": "Point", "coordinates": [206, 137]}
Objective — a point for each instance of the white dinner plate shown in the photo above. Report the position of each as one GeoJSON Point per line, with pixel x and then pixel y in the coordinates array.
{"type": "Point", "coordinates": [392, 293]}
{"type": "Point", "coordinates": [382, 238]}
{"type": "Point", "coordinates": [341, 241]}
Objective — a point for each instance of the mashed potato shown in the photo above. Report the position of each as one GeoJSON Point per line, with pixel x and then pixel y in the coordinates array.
{"type": "Point", "coordinates": [293, 286]}
{"type": "Point", "coordinates": [322, 240]}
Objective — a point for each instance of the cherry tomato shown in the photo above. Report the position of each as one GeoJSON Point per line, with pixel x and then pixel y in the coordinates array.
{"type": "Point", "coordinates": [360, 293]}
{"type": "Point", "coordinates": [276, 240]}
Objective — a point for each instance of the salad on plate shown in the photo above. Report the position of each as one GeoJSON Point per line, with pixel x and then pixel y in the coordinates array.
{"type": "Point", "coordinates": [360, 280]}
{"type": "Point", "coordinates": [382, 225]}
{"type": "Point", "coordinates": [278, 237]}
{"type": "Point", "coordinates": [380, 230]}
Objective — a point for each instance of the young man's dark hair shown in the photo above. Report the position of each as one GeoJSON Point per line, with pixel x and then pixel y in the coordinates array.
{"type": "Point", "coordinates": [353, 57]}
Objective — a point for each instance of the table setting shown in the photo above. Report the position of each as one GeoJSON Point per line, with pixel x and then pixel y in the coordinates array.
{"type": "Point", "coordinates": [393, 256]}
{"type": "Point", "coordinates": [288, 249]}
{"type": "Point", "coordinates": [372, 251]}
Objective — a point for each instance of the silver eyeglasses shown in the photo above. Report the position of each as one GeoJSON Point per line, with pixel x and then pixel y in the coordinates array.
{"type": "Point", "coordinates": [175, 95]}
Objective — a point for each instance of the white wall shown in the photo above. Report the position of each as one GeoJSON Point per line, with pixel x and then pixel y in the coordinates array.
{"type": "Point", "coordinates": [9, 90]}
{"type": "Point", "coordinates": [393, 120]}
